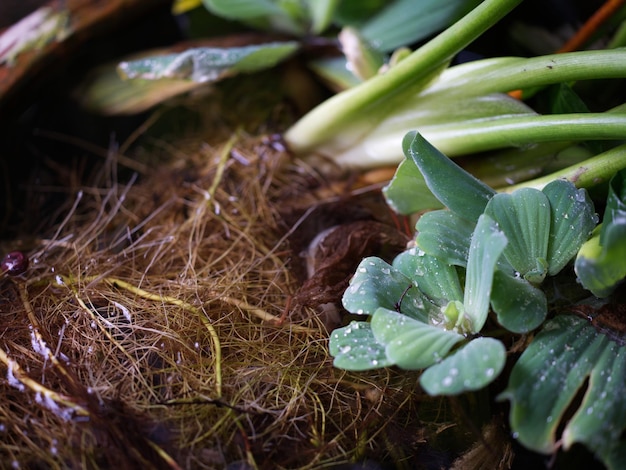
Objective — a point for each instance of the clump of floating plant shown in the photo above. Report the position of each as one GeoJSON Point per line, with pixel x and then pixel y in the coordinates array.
{"type": "Point", "coordinates": [491, 251]}
{"type": "Point", "coordinates": [501, 245]}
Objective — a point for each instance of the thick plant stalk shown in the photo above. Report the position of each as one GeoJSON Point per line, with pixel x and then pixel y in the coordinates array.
{"type": "Point", "coordinates": [333, 116]}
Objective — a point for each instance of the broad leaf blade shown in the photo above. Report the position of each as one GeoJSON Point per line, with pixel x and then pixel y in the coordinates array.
{"type": "Point", "coordinates": [520, 306]}
{"type": "Point", "coordinates": [600, 262]}
{"type": "Point", "coordinates": [470, 196]}
{"type": "Point", "coordinates": [407, 192]}
{"type": "Point", "coordinates": [405, 22]}
{"type": "Point", "coordinates": [549, 375]}
{"type": "Point", "coordinates": [264, 14]}
{"type": "Point", "coordinates": [470, 368]}
{"type": "Point", "coordinates": [487, 244]}
{"type": "Point", "coordinates": [409, 343]}
{"type": "Point", "coordinates": [572, 221]}
{"type": "Point", "coordinates": [207, 64]}
{"type": "Point", "coordinates": [524, 217]}
{"type": "Point", "coordinates": [378, 284]}
{"type": "Point", "coordinates": [355, 348]}
{"type": "Point", "coordinates": [438, 280]}
{"type": "Point", "coordinates": [445, 235]}
{"type": "Point", "coordinates": [601, 417]}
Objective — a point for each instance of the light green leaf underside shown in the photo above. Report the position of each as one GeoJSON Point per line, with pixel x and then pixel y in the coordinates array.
{"type": "Point", "coordinates": [207, 64]}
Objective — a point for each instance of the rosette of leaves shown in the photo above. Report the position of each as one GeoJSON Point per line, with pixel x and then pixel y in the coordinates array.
{"type": "Point", "coordinates": [419, 312]}
{"type": "Point", "coordinates": [502, 245]}
{"type": "Point", "coordinates": [545, 229]}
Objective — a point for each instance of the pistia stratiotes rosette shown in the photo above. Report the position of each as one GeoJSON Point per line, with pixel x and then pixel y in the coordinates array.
{"type": "Point", "coordinates": [499, 247]}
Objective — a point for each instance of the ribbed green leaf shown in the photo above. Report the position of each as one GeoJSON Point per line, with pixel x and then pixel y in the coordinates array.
{"type": "Point", "coordinates": [378, 284]}
{"type": "Point", "coordinates": [355, 348]}
{"type": "Point", "coordinates": [472, 367]}
{"type": "Point", "coordinates": [552, 372]}
{"type": "Point", "coordinates": [520, 306]}
{"type": "Point", "coordinates": [487, 244]}
{"type": "Point", "coordinates": [445, 235]}
{"type": "Point", "coordinates": [572, 220]}
{"type": "Point", "coordinates": [410, 343]}
{"type": "Point", "coordinates": [437, 279]}
{"type": "Point", "coordinates": [524, 217]}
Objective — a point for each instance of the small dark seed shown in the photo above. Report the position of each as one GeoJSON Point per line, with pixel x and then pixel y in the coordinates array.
{"type": "Point", "coordinates": [14, 263]}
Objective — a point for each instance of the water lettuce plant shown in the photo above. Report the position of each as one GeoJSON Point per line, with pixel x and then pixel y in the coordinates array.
{"type": "Point", "coordinates": [502, 246]}
{"type": "Point", "coordinates": [491, 252]}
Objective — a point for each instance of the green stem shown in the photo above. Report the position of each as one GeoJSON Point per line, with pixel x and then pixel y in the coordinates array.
{"type": "Point", "coordinates": [470, 137]}
{"type": "Point", "coordinates": [589, 173]}
{"type": "Point", "coordinates": [506, 74]}
{"type": "Point", "coordinates": [332, 116]}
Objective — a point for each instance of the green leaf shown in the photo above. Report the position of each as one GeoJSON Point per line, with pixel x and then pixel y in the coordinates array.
{"type": "Point", "coordinates": [405, 22]}
{"type": "Point", "coordinates": [524, 217]}
{"type": "Point", "coordinates": [437, 279]}
{"type": "Point", "coordinates": [363, 60]}
{"type": "Point", "coordinates": [445, 235]}
{"type": "Point", "coordinates": [563, 99]}
{"type": "Point", "coordinates": [600, 262]}
{"type": "Point", "coordinates": [520, 306]}
{"type": "Point", "coordinates": [409, 343]}
{"type": "Point", "coordinates": [355, 348]}
{"type": "Point", "coordinates": [470, 368]}
{"type": "Point", "coordinates": [407, 192]}
{"type": "Point", "coordinates": [469, 197]}
{"type": "Point", "coordinates": [264, 14]}
{"type": "Point", "coordinates": [378, 284]}
{"type": "Point", "coordinates": [572, 220]}
{"type": "Point", "coordinates": [208, 64]}
{"type": "Point", "coordinates": [552, 372]}
{"type": "Point", "coordinates": [321, 13]}
{"type": "Point", "coordinates": [487, 244]}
